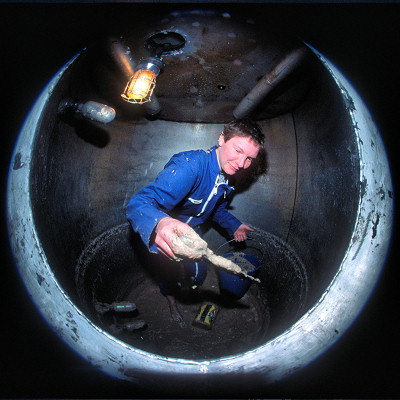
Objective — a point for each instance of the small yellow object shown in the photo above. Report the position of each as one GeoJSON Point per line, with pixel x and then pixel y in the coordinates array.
{"type": "Point", "coordinates": [206, 316]}
{"type": "Point", "coordinates": [140, 87]}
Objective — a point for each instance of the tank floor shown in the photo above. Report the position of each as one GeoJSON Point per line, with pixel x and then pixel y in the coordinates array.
{"type": "Point", "coordinates": [240, 325]}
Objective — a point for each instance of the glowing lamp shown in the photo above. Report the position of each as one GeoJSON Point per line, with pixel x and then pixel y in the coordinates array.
{"type": "Point", "coordinates": [141, 85]}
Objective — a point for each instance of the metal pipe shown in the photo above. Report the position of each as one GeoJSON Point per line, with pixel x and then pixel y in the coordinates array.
{"type": "Point", "coordinates": [272, 79]}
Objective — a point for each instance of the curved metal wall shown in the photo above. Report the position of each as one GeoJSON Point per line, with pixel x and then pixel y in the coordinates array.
{"type": "Point", "coordinates": [326, 156]}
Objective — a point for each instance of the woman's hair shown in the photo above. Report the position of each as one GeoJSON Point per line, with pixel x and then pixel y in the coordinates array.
{"type": "Point", "coordinates": [244, 128]}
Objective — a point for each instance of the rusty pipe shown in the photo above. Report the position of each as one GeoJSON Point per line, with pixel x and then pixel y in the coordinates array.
{"type": "Point", "coordinates": [269, 81]}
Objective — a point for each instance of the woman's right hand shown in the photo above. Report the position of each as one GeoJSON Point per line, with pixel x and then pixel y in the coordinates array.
{"type": "Point", "coordinates": [164, 232]}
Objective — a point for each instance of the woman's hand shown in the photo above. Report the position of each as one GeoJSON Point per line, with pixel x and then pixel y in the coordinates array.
{"type": "Point", "coordinates": [165, 231]}
{"type": "Point", "coordinates": [241, 233]}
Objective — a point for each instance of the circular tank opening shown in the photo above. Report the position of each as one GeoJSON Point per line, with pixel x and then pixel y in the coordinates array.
{"type": "Point", "coordinates": [115, 268]}
{"type": "Point", "coordinates": [165, 43]}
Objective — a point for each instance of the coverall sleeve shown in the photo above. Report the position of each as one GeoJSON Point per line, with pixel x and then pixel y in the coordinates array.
{"type": "Point", "coordinates": [152, 203]}
{"type": "Point", "coordinates": [225, 219]}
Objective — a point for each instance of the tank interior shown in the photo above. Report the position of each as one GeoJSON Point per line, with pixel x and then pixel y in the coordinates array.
{"type": "Point", "coordinates": [301, 197]}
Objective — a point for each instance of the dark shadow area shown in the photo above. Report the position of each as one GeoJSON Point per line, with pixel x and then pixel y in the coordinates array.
{"type": "Point", "coordinates": [90, 131]}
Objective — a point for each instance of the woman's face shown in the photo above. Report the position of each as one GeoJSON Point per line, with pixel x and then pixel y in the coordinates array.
{"type": "Point", "coordinates": [236, 153]}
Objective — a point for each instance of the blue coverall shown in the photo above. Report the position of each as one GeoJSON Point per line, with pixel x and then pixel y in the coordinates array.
{"type": "Point", "coordinates": [190, 188]}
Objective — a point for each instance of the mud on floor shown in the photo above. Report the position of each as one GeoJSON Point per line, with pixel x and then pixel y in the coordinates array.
{"type": "Point", "coordinates": [240, 325]}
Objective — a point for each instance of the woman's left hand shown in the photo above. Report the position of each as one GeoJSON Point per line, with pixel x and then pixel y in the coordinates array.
{"type": "Point", "coordinates": [241, 233]}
